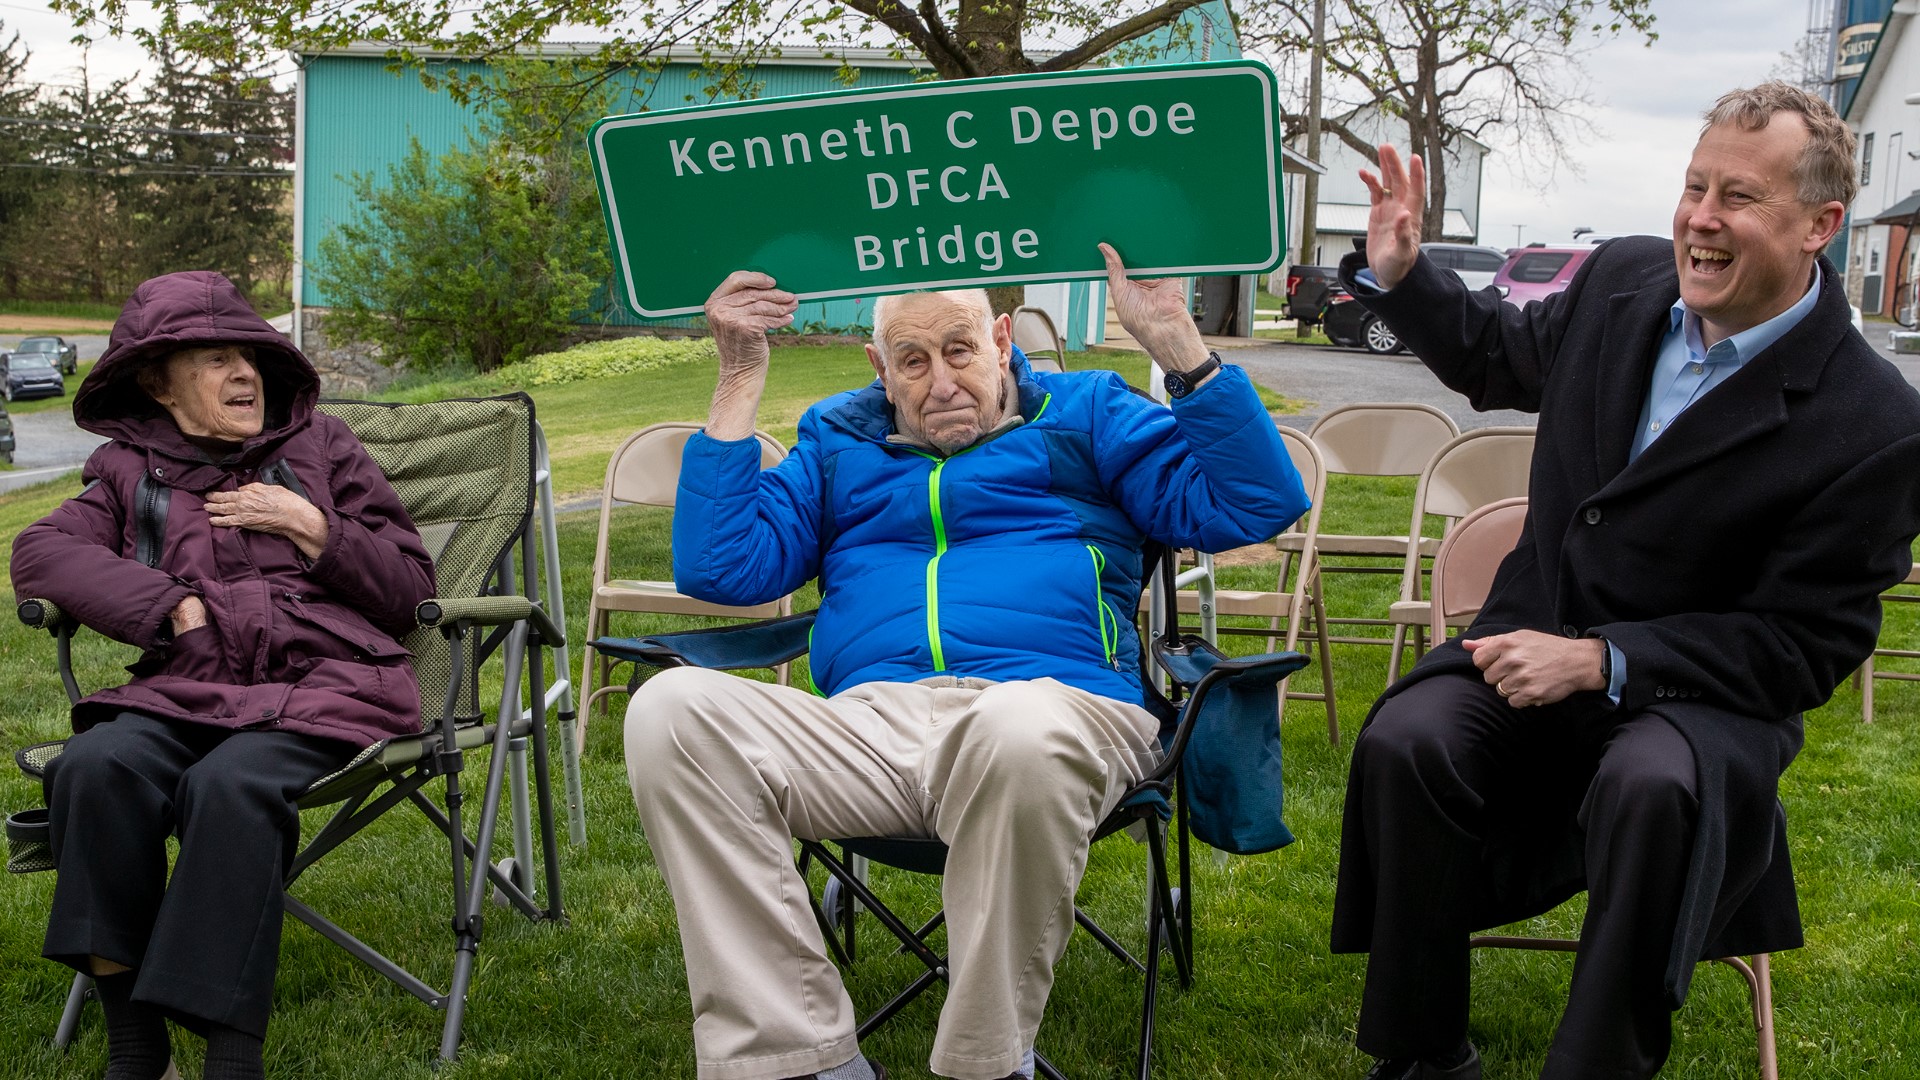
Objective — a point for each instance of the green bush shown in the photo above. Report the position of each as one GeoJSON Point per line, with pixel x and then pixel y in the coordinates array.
{"type": "Point", "coordinates": [594, 360]}
{"type": "Point", "coordinates": [600, 359]}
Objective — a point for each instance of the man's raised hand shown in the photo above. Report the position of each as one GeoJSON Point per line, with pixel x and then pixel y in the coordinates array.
{"type": "Point", "coordinates": [740, 313]}
{"type": "Point", "coordinates": [1154, 313]}
{"type": "Point", "coordinates": [1399, 196]}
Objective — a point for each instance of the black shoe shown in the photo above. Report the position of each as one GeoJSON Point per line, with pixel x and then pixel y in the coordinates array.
{"type": "Point", "coordinates": [1406, 1068]}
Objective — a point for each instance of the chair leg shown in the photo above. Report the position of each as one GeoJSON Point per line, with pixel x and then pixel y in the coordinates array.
{"type": "Point", "coordinates": [77, 996]}
{"type": "Point", "coordinates": [1393, 661]}
{"type": "Point", "coordinates": [1865, 678]}
{"type": "Point", "coordinates": [1326, 666]}
{"type": "Point", "coordinates": [1763, 1016]}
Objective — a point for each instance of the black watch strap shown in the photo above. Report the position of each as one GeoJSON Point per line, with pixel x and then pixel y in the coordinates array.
{"type": "Point", "coordinates": [1181, 383]}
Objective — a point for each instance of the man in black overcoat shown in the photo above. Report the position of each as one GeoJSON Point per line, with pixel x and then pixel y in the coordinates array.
{"type": "Point", "coordinates": [1725, 478]}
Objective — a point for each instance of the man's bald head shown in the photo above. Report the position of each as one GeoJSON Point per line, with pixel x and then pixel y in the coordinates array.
{"type": "Point", "coordinates": [943, 358]}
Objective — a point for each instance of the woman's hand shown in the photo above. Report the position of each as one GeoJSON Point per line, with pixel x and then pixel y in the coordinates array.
{"type": "Point", "coordinates": [269, 508]}
{"type": "Point", "coordinates": [188, 614]}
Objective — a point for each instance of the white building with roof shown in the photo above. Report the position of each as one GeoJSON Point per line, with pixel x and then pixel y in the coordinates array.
{"type": "Point", "coordinates": [1343, 204]}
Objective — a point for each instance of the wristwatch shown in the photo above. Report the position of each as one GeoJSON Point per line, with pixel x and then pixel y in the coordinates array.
{"type": "Point", "coordinates": [1181, 383]}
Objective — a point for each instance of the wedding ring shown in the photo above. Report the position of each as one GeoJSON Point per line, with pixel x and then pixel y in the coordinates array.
{"type": "Point", "coordinates": [1501, 689]}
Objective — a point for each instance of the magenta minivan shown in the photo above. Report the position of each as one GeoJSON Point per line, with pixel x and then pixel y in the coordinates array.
{"type": "Point", "coordinates": [1534, 273]}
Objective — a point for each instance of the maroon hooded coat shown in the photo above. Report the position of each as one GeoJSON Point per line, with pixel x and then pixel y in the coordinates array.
{"type": "Point", "coordinates": [292, 644]}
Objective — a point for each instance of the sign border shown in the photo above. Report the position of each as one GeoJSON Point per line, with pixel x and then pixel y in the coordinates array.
{"type": "Point", "coordinates": [1212, 69]}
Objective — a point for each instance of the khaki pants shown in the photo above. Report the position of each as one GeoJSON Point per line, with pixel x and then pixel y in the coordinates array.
{"type": "Point", "coordinates": [1014, 777]}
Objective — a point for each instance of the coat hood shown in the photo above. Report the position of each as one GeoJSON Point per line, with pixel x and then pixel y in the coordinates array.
{"type": "Point", "coordinates": [190, 309]}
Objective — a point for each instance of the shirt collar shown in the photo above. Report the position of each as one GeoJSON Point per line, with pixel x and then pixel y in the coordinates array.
{"type": "Point", "coordinates": [1749, 343]}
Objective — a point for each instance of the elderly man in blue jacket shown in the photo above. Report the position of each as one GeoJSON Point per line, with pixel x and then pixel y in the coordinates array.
{"type": "Point", "coordinates": [976, 529]}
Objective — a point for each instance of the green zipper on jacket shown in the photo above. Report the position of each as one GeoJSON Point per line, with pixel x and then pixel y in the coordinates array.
{"type": "Point", "coordinates": [1109, 623]}
{"type": "Point", "coordinates": [933, 567]}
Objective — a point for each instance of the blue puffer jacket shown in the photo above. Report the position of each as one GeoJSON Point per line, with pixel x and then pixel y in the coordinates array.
{"type": "Point", "coordinates": [1018, 558]}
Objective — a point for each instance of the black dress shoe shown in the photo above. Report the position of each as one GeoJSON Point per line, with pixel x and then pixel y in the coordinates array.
{"type": "Point", "coordinates": [1425, 1069]}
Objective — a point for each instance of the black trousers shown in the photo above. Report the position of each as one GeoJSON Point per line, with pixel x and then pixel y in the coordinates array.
{"type": "Point", "coordinates": [1460, 791]}
{"type": "Point", "coordinates": [205, 944]}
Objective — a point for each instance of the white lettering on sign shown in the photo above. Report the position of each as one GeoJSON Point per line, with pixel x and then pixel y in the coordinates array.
{"type": "Point", "coordinates": [953, 134]}
{"type": "Point", "coordinates": [1180, 113]}
{"type": "Point", "coordinates": [887, 128]}
{"type": "Point", "coordinates": [682, 155]}
{"type": "Point", "coordinates": [787, 143]}
{"type": "Point", "coordinates": [1133, 120]}
{"type": "Point", "coordinates": [766, 149]}
{"type": "Point", "coordinates": [839, 140]}
{"type": "Point", "coordinates": [871, 252]}
{"type": "Point", "coordinates": [1105, 130]}
{"type": "Point", "coordinates": [917, 182]}
{"type": "Point", "coordinates": [1031, 116]}
{"type": "Point", "coordinates": [1066, 126]}
{"type": "Point", "coordinates": [717, 153]}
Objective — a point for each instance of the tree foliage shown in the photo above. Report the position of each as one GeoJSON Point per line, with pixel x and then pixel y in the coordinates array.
{"type": "Point", "coordinates": [1493, 70]}
{"type": "Point", "coordinates": [956, 38]}
{"type": "Point", "coordinates": [102, 185]}
{"type": "Point", "coordinates": [481, 256]}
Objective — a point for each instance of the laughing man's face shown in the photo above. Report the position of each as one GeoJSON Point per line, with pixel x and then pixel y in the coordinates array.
{"type": "Point", "coordinates": [1743, 241]}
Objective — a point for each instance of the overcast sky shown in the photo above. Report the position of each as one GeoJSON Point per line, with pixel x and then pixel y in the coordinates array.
{"type": "Point", "coordinates": [1626, 179]}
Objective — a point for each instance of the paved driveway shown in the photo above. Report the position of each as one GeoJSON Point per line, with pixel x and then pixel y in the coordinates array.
{"type": "Point", "coordinates": [47, 442]}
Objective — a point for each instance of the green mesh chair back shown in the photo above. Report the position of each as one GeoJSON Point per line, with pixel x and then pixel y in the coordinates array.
{"type": "Point", "coordinates": [464, 469]}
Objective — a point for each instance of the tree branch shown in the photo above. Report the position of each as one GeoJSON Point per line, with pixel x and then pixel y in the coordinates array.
{"type": "Point", "coordinates": [1119, 34]}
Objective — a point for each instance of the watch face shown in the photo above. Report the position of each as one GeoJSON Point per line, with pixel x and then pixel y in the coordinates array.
{"type": "Point", "coordinates": [1176, 384]}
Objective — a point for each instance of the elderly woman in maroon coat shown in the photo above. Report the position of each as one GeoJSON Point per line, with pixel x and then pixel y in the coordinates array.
{"type": "Point", "coordinates": [255, 552]}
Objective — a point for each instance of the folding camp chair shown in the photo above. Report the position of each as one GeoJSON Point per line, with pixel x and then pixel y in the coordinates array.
{"type": "Point", "coordinates": [466, 471]}
{"type": "Point", "coordinates": [1227, 696]}
{"type": "Point", "coordinates": [645, 471]}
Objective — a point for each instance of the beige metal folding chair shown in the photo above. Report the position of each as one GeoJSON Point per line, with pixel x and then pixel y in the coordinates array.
{"type": "Point", "coordinates": [645, 471]}
{"type": "Point", "coordinates": [1288, 611]}
{"type": "Point", "coordinates": [1373, 439]}
{"type": "Point", "coordinates": [1868, 672]}
{"type": "Point", "coordinates": [1469, 558]}
{"type": "Point", "coordinates": [1480, 467]}
{"type": "Point", "coordinates": [1034, 333]}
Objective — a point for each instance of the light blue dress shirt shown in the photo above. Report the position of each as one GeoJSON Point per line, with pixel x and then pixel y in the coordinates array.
{"type": "Point", "coordinates": [1684, 371]}
{"type": "Point", "coordinates": [1687, 369]}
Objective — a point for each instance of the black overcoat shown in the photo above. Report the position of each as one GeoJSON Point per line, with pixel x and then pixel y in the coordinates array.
{"type": "Point", "coordinates": [1736, 563]}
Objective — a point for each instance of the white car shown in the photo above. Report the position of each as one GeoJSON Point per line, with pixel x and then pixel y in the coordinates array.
{"type": "Point", "coordinates": [1474, 264]}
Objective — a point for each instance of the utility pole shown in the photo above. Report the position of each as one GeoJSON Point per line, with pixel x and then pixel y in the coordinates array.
{"type": "Point", "coordinates": [1516, 235]}
{"type": "Point", "coordinates": [1309, 230]}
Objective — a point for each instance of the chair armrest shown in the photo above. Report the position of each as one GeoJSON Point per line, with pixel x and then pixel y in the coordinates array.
{"type": "Point", "coordinates": [1201, 668]}
{"type": "Point", "coordinates": [490, 611]}
{"type": "Point", "coordinates": [43, 615]}
{"type": "Point", "coordinates": [766, 643]}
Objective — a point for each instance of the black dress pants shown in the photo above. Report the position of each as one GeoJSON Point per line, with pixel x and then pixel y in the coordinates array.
{"type": "Point", "coordinates": [205, 944]}
{"type": "Point", "coordinates": [1458, 792]}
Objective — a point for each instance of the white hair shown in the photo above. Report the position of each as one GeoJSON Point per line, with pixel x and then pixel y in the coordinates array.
{"type": "Point", "coordinates": [886, 306]}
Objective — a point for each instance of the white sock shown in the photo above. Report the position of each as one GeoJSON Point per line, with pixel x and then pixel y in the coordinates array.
{"type": "Point", "coordinates": [854, 1068]}
{"type": "Point", "coordinates": [1026, 1064]}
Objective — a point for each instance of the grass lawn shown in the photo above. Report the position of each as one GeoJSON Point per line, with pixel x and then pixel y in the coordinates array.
{"type": "Point", "coordinates": [605, 996]}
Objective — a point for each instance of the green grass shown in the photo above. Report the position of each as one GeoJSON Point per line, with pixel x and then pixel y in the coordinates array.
{"type": "Point", "coordinates": [1314, 337]}
{"type": "Point", "coordinates": [60, 309]}
{"type": "Point", "coordinates": [605, 997]}
{"type": "Point", "coordinates": [1266, 301]}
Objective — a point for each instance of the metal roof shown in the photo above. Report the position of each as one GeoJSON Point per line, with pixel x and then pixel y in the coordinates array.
{"type": "Point", "coordinates": [1352, 218]}
{"type": "Point", "coordinates": [1901, 213]}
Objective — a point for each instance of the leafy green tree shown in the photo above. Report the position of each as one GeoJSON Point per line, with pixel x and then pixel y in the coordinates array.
{"type": "Point", "coordinates": [482, 256]}
{"type": "Point", "coordinates": [956, 38]}
{"type": "Point", "coordinates": [214, 177]}
{"type": "Point", "coordinates": [82, 230]}
{"type": "Point", "coordinates": [19, 146]}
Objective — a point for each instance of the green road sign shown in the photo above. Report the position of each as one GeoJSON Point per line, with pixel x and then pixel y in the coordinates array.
{"type": "Point", "coordinates": [942, 185]}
